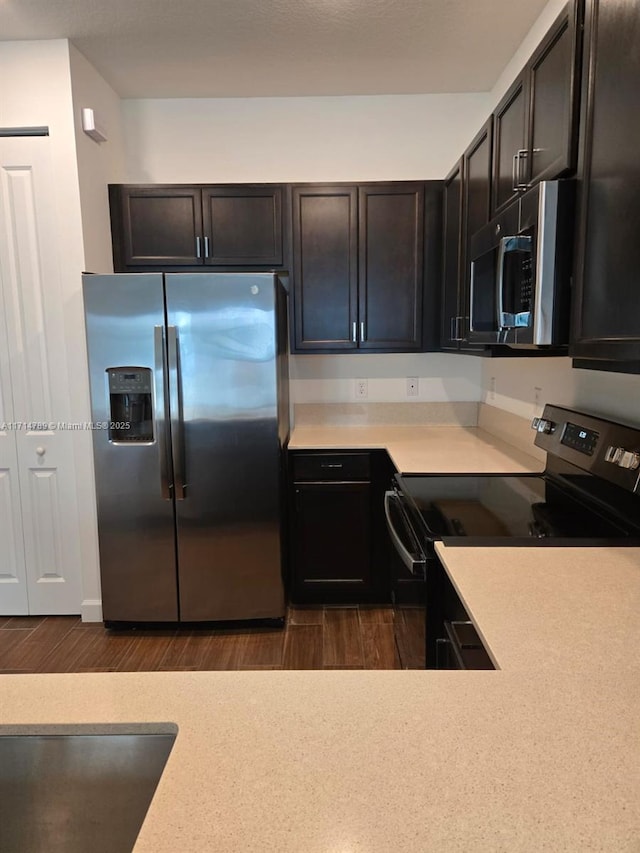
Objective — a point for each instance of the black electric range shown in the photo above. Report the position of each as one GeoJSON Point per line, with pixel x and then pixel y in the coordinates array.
{"type": "Point", "coordinates": [588, 495]}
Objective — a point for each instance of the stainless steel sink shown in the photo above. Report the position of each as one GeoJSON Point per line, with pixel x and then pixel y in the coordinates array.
{"type": "Point", "coordinates": [77, 793]}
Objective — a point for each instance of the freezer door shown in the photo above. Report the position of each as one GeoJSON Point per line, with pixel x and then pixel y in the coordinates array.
{"type": "Point", "coordinates": [126, 346]}
{"type": "Point", "coordinates": [223, 364]}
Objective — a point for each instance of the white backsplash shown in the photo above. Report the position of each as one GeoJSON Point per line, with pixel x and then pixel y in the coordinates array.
{"type": "Point", "coordinates": [441, 378]}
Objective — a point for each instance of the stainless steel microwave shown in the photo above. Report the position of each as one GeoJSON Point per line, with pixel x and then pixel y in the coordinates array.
{"type": "Point", "coordinates": [521, 270]}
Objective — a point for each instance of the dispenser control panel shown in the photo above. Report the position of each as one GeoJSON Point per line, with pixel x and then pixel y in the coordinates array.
{"type": "Point", "coordinates": [130, 405]}
{"type": "Point", "coordinates": [123, 380]}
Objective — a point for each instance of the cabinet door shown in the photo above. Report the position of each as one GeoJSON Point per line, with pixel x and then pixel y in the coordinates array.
{"type": "Point", "coordinates": [332, 541]}
{"type": "Point", "coordinates": [161, 226]}
{"type": "Point", "coordinates": [553, 74]}
{"type": "Point", "coordinates": [391, 245]}
{"type": "Point", "coordinates": [607, 296]}
{"type": "Point", "coordinates": [452, 263]}
{"type": "Point", "coordinates": [476, 206]}
{"type": "Point", "coordinates": [325, 267]}
{"type": "Point", "coordinates": [242, 225]}
{"type": "Point", "coordinates": [509, 137]}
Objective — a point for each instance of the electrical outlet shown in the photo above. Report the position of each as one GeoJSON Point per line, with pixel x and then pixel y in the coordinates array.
{"type": "Point", "coordinates": [537, 401]}
{"type": "Point", "coordinates": [362, 388]}
{"type": "Point", "coordinates": [492, 389]}
{"type": "Point", "coordinates": [412, 386]}
{"type": "Point", "coordinates": [537, 396]}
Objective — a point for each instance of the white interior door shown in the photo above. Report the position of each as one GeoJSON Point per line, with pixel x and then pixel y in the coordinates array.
{"type": "Point", "coordinates": [35, 370]}
{"type": "Point", "coordinates": [13, 582]}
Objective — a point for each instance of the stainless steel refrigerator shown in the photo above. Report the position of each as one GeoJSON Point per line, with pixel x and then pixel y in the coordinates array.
{"type": "Point", "coordinates": [189, 397]}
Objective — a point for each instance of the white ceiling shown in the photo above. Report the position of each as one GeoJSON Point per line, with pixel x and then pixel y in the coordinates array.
{"type": "Point", "coordinates": [243, 48]}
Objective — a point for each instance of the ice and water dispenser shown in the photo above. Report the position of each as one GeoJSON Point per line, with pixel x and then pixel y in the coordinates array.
{"type": "Point", "coordinates": [130, 404]}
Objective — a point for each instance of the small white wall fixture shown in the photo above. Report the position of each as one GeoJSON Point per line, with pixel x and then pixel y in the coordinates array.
{"type": "Point", "coordinates": [91, 125]}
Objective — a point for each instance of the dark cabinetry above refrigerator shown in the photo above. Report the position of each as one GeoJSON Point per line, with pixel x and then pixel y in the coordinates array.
{"type": "Point", "coordinates": [363, 260]}
{"type": "Point", "coordinates": [227, 226]}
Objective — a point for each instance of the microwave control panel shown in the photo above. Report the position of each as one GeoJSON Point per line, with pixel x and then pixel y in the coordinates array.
{"type": "Point", "coordinates": [526, 284]}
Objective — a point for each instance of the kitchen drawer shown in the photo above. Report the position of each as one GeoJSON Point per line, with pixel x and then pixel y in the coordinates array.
{"type": "Point", "coordinates": [330, 466]}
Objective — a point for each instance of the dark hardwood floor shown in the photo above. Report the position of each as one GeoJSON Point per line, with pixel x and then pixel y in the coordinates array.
{"type": "Point", "coordinates": [313, 638]}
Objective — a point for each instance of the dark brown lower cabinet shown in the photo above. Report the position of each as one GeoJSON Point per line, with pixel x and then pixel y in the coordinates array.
{"type": "Point", "coordinates": [335, 527]}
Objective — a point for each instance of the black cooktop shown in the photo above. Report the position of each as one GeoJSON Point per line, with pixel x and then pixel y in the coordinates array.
{"type": "Point", "coordinates": [588, 493]}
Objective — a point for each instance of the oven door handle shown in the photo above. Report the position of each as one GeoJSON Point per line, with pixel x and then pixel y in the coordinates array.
{"type": "Point", "coordinates": [416, 565]}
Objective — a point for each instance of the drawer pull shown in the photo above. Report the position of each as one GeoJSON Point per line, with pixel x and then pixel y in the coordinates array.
{"type": "Point", "coordinates": [331, 464]}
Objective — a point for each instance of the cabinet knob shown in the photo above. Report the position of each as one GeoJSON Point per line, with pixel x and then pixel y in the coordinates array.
{"type": "Point", "coordinates": [629, 459]}
{"type": "Point", "coordinates": [543, 426]}
{"type": "Point", "coordinates": [41, 451]}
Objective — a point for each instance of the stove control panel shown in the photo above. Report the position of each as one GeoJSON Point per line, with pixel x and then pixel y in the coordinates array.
{"type": "Point", "coordinates": [597, 446]}
{"type": "Point", "coordinates": [580, 438]}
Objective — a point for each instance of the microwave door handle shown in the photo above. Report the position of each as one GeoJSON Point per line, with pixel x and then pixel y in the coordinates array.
{"type": "Point", "coordinates": [502, 252]}
{"type": "Point", "coordinates": [415, 566]}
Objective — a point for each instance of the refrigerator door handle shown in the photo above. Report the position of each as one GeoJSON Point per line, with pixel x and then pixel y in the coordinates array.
{"type": "Point", "coordinates": [161, 410]}
{"type": "Point", "coordinates": [175, 407]}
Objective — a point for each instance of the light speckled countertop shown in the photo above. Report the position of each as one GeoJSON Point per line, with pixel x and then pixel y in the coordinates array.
{"type": "Point", "coordinates": [416, 449]}
{"type": "Point", "coordinates": [543, 754]}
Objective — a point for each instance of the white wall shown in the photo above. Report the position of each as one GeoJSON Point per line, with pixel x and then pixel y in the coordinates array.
{"type": "Point", "coordinates": [99, 163]}
{"type": "Point", "coordinates": [331, 378]}
{"type": "Point", "coordinates": [613, 395]}
{"type": "Point", "coordinates": [395, 137]}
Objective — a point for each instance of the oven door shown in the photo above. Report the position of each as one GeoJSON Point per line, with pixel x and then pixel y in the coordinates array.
{"type": "Point", "coordinates": [409, 557]}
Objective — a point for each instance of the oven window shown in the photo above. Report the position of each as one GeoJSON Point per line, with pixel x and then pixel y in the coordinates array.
{"type": "Point", "coordinates": [493, 507]}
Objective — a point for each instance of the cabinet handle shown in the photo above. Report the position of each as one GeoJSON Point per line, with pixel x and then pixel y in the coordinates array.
{"type": "Point", "coordinates": [514, 171]}
{"type": "Point", "coordinates": [198, 248]}
{"type": "Point", "coordinates": [354, 334]}
{"type": "Point", "coordinates": [455, 328]}
{"type": "Point", "coordinates": [452, 331]}
{"type": "Point", "coordinates": [441, 647]}
{"type": "Point", "coordinates": [331, 464]}
{"type": "Point", "coordinates": [522, 156]}
{"type": "Point", "coordinates": [206, 247]}
{"type": "Point", "coordinates": [362, 334]}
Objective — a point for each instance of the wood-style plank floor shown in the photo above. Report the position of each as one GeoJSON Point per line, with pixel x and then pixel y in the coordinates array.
{"type": "Point", "coordinates": [313, 638]}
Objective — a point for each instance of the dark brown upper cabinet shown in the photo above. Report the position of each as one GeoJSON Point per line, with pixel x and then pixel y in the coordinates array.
{"type": "Point", "coordinates": [452, 262]}
{"type": "Point", "coordinates": [467, 207]}
{"type": "Point", "coordinates": [509, 121]}
{"type": "Point", "coordinates": [360, 263]}
{"type": "Point", "coordinates": [166, 227]}
{"type": "Point", "coordinates": [606, 303]}
{"type": "Point", "coordinates": [390, 266]}
{"type": "Point", "coordinates": [536, 122]}
{"type": "Point", "coordinates": [554, 99]}
{"type": "Point", "coordinates": [325, 267]}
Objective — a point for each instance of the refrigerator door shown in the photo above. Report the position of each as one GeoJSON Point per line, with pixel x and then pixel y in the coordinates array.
{"type": "Point", "coordinates": [223, 368]}
{"type": "Point", "coordinates": [127, 353]}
